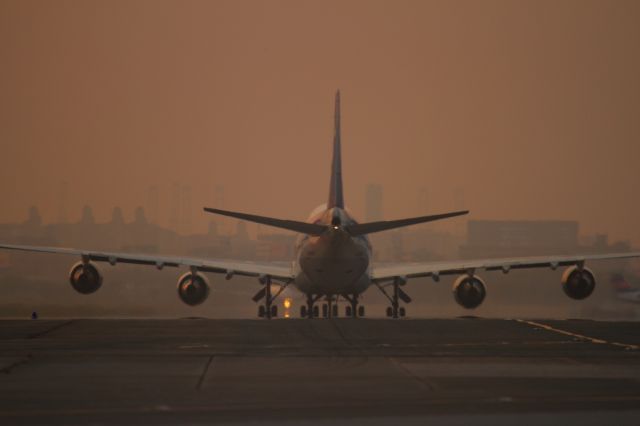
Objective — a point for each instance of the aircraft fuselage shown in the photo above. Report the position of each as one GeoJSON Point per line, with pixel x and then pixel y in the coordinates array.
{"type": "Point", "coordinates": [335, 262]}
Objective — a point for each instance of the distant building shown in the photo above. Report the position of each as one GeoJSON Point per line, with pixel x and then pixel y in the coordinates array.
{"type": "Point", "coordinates": [117, 218]}
{"type": "Point", "coordinates": [34, 218]}
{"type": "Point", "coordinates": [496, 238]}
{"type": "Point", "coordinates": [275, 247]}
{"type": "Point", "coordinates": [87, 216]}
{"type": "Point", "coordinates": [373, 202]}
{"type": "Point", "coordinates": [152, 204]}
{"type": "Point", "coordinates": [174, 216]}
{"type": "Point", "coordinates": [62, 202]}
{"type": "Point", "coordinates": [185, 209]}
{"type": "Point", "coordinates": [241, 245]}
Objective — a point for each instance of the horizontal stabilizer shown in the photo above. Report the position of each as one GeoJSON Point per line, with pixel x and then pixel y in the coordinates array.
{"type": "Point", "coordinates": [291, 225]}
{"type": "Point", "coordinates": [384, 225]}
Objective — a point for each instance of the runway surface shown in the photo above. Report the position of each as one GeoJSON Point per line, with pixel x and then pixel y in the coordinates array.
{"type": "Point", "coordinates": [338, 371]}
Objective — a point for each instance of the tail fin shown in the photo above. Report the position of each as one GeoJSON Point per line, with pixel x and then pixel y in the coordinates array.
{"type": "Point", "coordinates": [336, 198]}
{"type": "Point", "coordinates": [619, 283]}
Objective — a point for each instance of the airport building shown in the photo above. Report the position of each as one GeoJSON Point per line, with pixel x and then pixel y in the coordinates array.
{"type": "Point", "coordinates": [508, 238]}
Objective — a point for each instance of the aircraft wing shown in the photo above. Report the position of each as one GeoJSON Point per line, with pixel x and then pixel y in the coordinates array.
{"type": "Point", "coordinates": [384, 273]}
{"type": "Point", "coordinates": [222, 266]}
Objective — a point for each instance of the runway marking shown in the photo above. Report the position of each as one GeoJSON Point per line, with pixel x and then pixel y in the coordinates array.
{"type": "Point", "coordinates": [49, 330]}
{"type": "Point", "coordinates": [580, 336]}
{"type": "Point", "coordinates": [204, 373]}
{"type": "Point", "coordinates": [194, 346]}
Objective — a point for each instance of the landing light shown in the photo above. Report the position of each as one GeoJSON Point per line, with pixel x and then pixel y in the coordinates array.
{"type": "Point", "coordinates": [336, 227]}
{"type": "Point", "coordinates": [287, 303]}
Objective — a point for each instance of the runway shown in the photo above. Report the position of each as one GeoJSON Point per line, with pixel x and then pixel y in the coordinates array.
{"type": "Point", "coordinates": [338, 371]}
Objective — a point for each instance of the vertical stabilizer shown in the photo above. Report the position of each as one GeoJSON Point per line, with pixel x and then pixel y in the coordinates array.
{"type": "Point", "coordinates": [336, 198]}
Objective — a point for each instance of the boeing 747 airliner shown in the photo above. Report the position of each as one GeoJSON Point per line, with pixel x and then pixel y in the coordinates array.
{"type": "Point", "coordinates": [333, 260]}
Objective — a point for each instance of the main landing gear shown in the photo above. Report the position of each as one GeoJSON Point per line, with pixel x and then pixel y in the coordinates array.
{"type": "Point", "coordinates": [397, 295]}
{"type": "Point", "coordinates": [353, 310]}
{"type": "Point", "coordinates": [330, 308]}
{"type": "Point", "coordinates": [267, 309]}
{"type": "Point", "coordinates": [310, 310]}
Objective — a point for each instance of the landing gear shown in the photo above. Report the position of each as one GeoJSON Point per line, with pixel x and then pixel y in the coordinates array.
{"type": "Point", "coordinates": [330, 309]}
{"type": "Point", "coordinates": [361, 311]}
{"type": "Point", "coordinates": [401, 312]}
{"type": "Point", "coordinates": [311, 310]}
{"type": "Point", "coordinates": [306, 313]}
{"type": "Point", "coordinates": [329, 312]}
{"type": "Point", "coordinates": [310, 301]}
{"type": "Point", "coordinates": [353, 310]}
{"type": "Point", "coordinates": [268, 300]}
{"type": "Point", "coordinates": [267, 310]}
{"type": "Point", "coordinates": [395, 310]}
{"type": "Point", "coordinates": [262, 311]}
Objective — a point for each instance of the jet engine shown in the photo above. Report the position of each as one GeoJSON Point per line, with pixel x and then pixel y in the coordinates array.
{"type": "Point", "coordinates": [469, 291]}
{"type": "Point", "coordinates": [85, 278]}
{"type": "Point", "coordinates": [578, 283]}
{"type": "Point", "coordinates": [193, 288]}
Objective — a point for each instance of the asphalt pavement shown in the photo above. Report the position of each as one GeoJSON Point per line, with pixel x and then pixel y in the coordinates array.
{"type": "Point", "coordinates": [321, 371]}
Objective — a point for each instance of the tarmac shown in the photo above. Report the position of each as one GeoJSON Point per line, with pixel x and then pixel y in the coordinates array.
{"type": "Point", "coordinates": [320, 371]}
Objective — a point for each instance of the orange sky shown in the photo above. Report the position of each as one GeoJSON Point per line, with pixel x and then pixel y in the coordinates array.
{"type": "Point", "coordinates": [531, 110]}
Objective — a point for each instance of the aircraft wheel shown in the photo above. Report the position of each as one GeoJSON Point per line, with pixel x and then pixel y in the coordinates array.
{"type": "Point", "coordinates": [325, 310]}
{"type": "Point", "coordinates": [402, 312]}
{"type": "Point", "coordinates": [361, 311]}
{"type": "Point", "coordinates": [316, 311]}
{"type": "Point", "coordinates": [347, 311]}
{"type": "Point", "coordinates": [389, 311]}
{"type": "Point", "coordinates": [261, 311]}
{"type": "Point", "coordinates": [274, 311]}
{"type": "Point", "coordinates": [334, 311]}
{"type": "Point", "coordinates": [303, 311]}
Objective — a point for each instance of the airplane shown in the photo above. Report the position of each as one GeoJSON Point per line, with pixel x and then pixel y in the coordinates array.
{"type": "Point", "coordinates": [333, 260]}
{"type": "Point", "coordinates": [623, 289]}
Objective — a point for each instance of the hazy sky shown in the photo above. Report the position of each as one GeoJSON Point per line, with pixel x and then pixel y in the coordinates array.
{"type": "Point", "coordinates": [529, 110]}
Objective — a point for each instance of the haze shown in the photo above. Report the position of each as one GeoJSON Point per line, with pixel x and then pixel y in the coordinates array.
{"type": "Point", "coordinates": [516, 110]}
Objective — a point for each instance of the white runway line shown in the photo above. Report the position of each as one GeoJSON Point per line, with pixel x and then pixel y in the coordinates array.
{"type": "Point", "coordinates": [580, 336]}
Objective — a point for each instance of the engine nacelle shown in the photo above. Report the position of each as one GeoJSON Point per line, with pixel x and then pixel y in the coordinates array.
{"type": "Point", "coordinates": [85, 278]}
{"type": "Point", "coordinates": [469, 291]}
{"type": "Point", "coordinates": [578, 283]}
{"type": "Point", "coordinates": [193, 289]}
